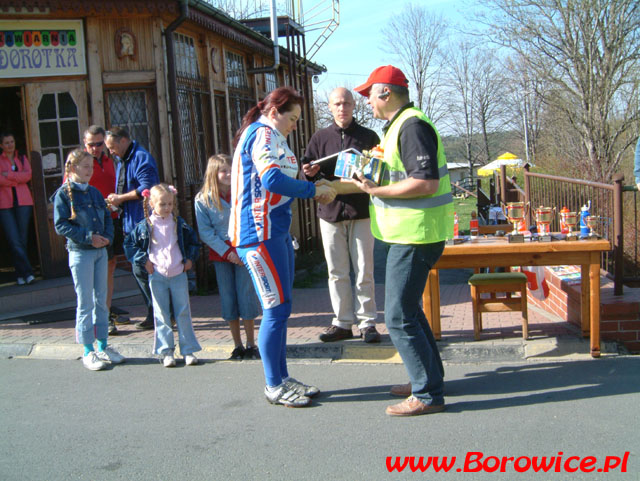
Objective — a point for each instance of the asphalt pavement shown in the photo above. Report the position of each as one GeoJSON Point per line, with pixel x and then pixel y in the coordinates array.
{"type": "Point", "coordinates": [140, 421]}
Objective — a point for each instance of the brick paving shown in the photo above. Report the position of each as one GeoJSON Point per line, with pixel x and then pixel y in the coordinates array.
{"type": "Point", "coordinates": [311, 315]}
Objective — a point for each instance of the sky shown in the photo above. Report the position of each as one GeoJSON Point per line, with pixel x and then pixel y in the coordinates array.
{"type": "Point", "coordinates": [354, 49]}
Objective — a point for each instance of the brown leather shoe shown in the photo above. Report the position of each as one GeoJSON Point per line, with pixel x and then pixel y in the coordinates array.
{"type": "Point", "coordinates": [413, 407]}
{"type": "Point", "coordinates": [401, 390]}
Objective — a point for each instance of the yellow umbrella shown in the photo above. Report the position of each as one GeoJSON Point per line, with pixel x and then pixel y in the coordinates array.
{"type": "Point", "coordinates": [507, 158]}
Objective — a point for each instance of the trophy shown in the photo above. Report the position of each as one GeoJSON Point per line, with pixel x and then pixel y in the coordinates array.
{"type": "Point", "coordinates": [592, 221]}
{"type": "Point", "coordinates": [515, 213]}
{"type": "Point", "coordinates": [570, 219]}
{"type": "Point", "coordinates": [544, 215]}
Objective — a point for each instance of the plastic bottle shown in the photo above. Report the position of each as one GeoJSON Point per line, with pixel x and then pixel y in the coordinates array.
{"type": "Point", "coordinates": [564, 229]}
{"type": "Point", "coordinates": [455, 225]}
{"type": "Point", "coordinates": [473, 224]}
{"type": "Point", "coordinates": [584, 213]}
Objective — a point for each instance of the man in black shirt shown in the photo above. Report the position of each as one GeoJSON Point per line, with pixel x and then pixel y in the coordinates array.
{"type": "Point", "coordinates": [345, 225]}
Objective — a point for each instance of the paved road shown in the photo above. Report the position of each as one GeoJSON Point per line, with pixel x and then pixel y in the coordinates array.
{"type": "Point", "coordinates": [140, 421]}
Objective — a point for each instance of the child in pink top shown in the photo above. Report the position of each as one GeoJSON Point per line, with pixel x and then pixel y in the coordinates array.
{"type": "Point", "coordinates": [167, 248]}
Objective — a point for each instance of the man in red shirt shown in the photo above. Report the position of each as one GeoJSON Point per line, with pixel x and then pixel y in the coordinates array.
{"type": "Point", "coordinates": [104, 179]}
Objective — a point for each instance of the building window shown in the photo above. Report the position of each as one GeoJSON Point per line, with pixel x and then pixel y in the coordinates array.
{"type": "Point", "coordinates": [59, 134]}
{"type": "Point", "coordinates": [186, 56]}
{"type": "Point", "coordinates": [270, 81]}
{"type": "Point", "coordinates": [133, 110]}
{"type": "Point", "coordinates": [236, 74]}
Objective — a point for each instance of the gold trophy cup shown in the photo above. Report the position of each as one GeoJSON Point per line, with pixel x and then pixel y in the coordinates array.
{"type": "Point", "coordinates": [570, 219]}
{"type": "Point", "coordinates": [544, 216]}
{"type": "Point", "coordinates": [515, 213]}
{"type": "Point", "coordinates": [592, 221]}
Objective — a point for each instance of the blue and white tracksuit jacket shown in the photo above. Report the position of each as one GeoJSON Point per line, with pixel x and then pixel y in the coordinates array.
{"type": "Point", "coordinates": [263, 186]}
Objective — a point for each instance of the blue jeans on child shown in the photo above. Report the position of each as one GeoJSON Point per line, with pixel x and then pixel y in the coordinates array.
{"type": "Point", "coordinates": [406, 276]}
{"type": "Point", "coordinates": [172, 290]}
{"type": "Point", "coordinates": [15, 224]}
{"type": "Point", "coordinates": [237, 295]}
{"type": "Point", "coordinates": [271, 266]}
{"type": "Point", "coordinates": [89, 272]}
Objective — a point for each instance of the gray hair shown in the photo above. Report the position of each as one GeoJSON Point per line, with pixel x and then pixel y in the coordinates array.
{"type": "Point", "coordinates": [398, 90]}
{"type": "Point", "coordinates": [94, 130]}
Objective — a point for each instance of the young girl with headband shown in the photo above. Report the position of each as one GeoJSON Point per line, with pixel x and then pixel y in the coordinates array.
{"type": "Point", "coordinates": [166, 247]}
{"type": "Point", "coordinates": [81, 215]}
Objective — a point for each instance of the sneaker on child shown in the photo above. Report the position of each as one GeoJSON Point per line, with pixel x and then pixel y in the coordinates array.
{"type": "Point", "coordinates": [93, 362]}
{"type": "Point", "coordinates": [110, 355]}
{"type": "Point", "coordinates": [237, 354]}
{"type": "Point", "coordinates": [190, 360]}
{"type": "Point", "coordinates": [168, 361]}
{"type": "Point", "coordinates": [251, 352]}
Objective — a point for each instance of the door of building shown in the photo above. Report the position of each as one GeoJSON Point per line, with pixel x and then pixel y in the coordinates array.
{"type": "Point", "coordinates": [57, 114]}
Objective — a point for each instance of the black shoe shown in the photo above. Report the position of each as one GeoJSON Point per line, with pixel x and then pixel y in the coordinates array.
{"type": "Point", "coordinates": [118, 319]}
{"type": "Point", "coordinates": [335, 333]}
{"type": "Point", "coordinates": [145, 325]}
{"type": "Point", "coordinates": [251, 353]}
{"type": "Point", "coordinates": [113, 330]}
{"type": "Point", "coordinates": [370, 335]}
{"type": "Point", "coordinates": [237, 354]}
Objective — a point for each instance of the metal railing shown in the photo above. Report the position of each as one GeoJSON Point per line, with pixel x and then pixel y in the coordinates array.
{"type": "Point", "coordinates": [618, 216]}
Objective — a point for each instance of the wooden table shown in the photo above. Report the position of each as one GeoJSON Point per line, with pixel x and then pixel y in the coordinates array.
{"type": "Point", "coordinates": [497, 252]}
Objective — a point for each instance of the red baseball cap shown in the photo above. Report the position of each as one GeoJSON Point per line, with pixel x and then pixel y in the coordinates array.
{"type": "Point", "coordinates": [387, 74]}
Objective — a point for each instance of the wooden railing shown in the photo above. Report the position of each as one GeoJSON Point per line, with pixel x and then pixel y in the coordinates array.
{"type": "Point", "coordinates": [617, 225]}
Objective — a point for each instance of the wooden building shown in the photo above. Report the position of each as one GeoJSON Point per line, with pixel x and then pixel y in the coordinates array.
{"type": "Point", "coordinates": [179, 75]}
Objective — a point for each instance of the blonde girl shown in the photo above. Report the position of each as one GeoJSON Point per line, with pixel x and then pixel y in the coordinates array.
{"type": "Point", "coordinates": [81, 215]}
{"type": "Point", "coordinates": [167, 248]}
{"type": "Point", "coordinates": [237, 295]}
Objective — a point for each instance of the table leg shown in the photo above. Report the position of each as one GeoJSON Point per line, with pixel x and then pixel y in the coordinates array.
{"type": "Point", "coordinates": [584, 299]}
{"type": "Point", "coordinates": [594, 293]}
{"type": "Point", "coordinates": [431, 302]}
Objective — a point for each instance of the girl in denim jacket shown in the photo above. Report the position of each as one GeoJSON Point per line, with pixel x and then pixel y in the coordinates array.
{"type": "Point", "coordinates": [237, 295]}
{"type": "Point", "coordinates": [81, 215]}
{"type": "Point", "coordinates": [167, 248]}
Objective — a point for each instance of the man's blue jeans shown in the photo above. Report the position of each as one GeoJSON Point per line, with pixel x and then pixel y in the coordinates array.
{"type": "Point", "coordinates": [406, 276]}
{"type": "Point", "coordinates": [142, 279]}
{"type": "Point", "coordinates": [15, 224]}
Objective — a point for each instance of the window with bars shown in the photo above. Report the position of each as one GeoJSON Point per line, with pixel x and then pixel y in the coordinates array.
{"type": "Point", "coordinates": [134, 110]}
{"type": "Point", "coordinates": [271, 82]}
{"type": "Point", "coordinates": [59, 134]}
{"type": "Point", "coordinates": [236, 74]}
{"type": "Point", "coordinates": [186, 56]}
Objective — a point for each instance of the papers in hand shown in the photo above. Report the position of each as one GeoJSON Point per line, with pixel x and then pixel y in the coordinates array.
{"type": "Point", "coordinates": [335, 156]}
{"type": "Point", "coordinates": [349, 165]}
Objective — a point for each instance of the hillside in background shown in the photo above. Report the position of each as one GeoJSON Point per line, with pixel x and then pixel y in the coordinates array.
{"type": "Point", "coordinates": [499, 143]}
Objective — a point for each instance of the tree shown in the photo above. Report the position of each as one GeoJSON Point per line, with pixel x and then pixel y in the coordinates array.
{"type": "Point", "coordinates": [587, 51]}
{"type": "Point", "coordinates": [362, 112]}
{"type": "Point", "coordinates": [414, 36]}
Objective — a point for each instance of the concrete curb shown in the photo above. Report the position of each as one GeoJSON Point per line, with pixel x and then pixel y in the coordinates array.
{"type": "Point", "coordinates": [456, 352]}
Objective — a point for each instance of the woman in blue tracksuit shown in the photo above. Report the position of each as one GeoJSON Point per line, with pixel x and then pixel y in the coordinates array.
{"type": "Point", "coordinates": [263, 186]}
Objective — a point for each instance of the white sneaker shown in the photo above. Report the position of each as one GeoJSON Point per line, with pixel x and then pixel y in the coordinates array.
{"type": "Point", "coordinates": [91, 361]}
{"type": "Point", "coordinates": [30, 279]}
{"type": "Point", "coordinates": [110, 355]}
{"type": "Point", "coordinates": [168, 361]}
{"type": "Point", "coordinates": [21, 281]}
{"type": "Point", "coordinates": [190, 360]}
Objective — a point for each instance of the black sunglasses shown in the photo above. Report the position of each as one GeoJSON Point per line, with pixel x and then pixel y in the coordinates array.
{"type": "Point", "coordinates": [95, 144]}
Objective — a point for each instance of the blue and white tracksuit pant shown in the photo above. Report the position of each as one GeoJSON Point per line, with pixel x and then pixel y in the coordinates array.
{"type": "Point", "coordinates": [271, 266]}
